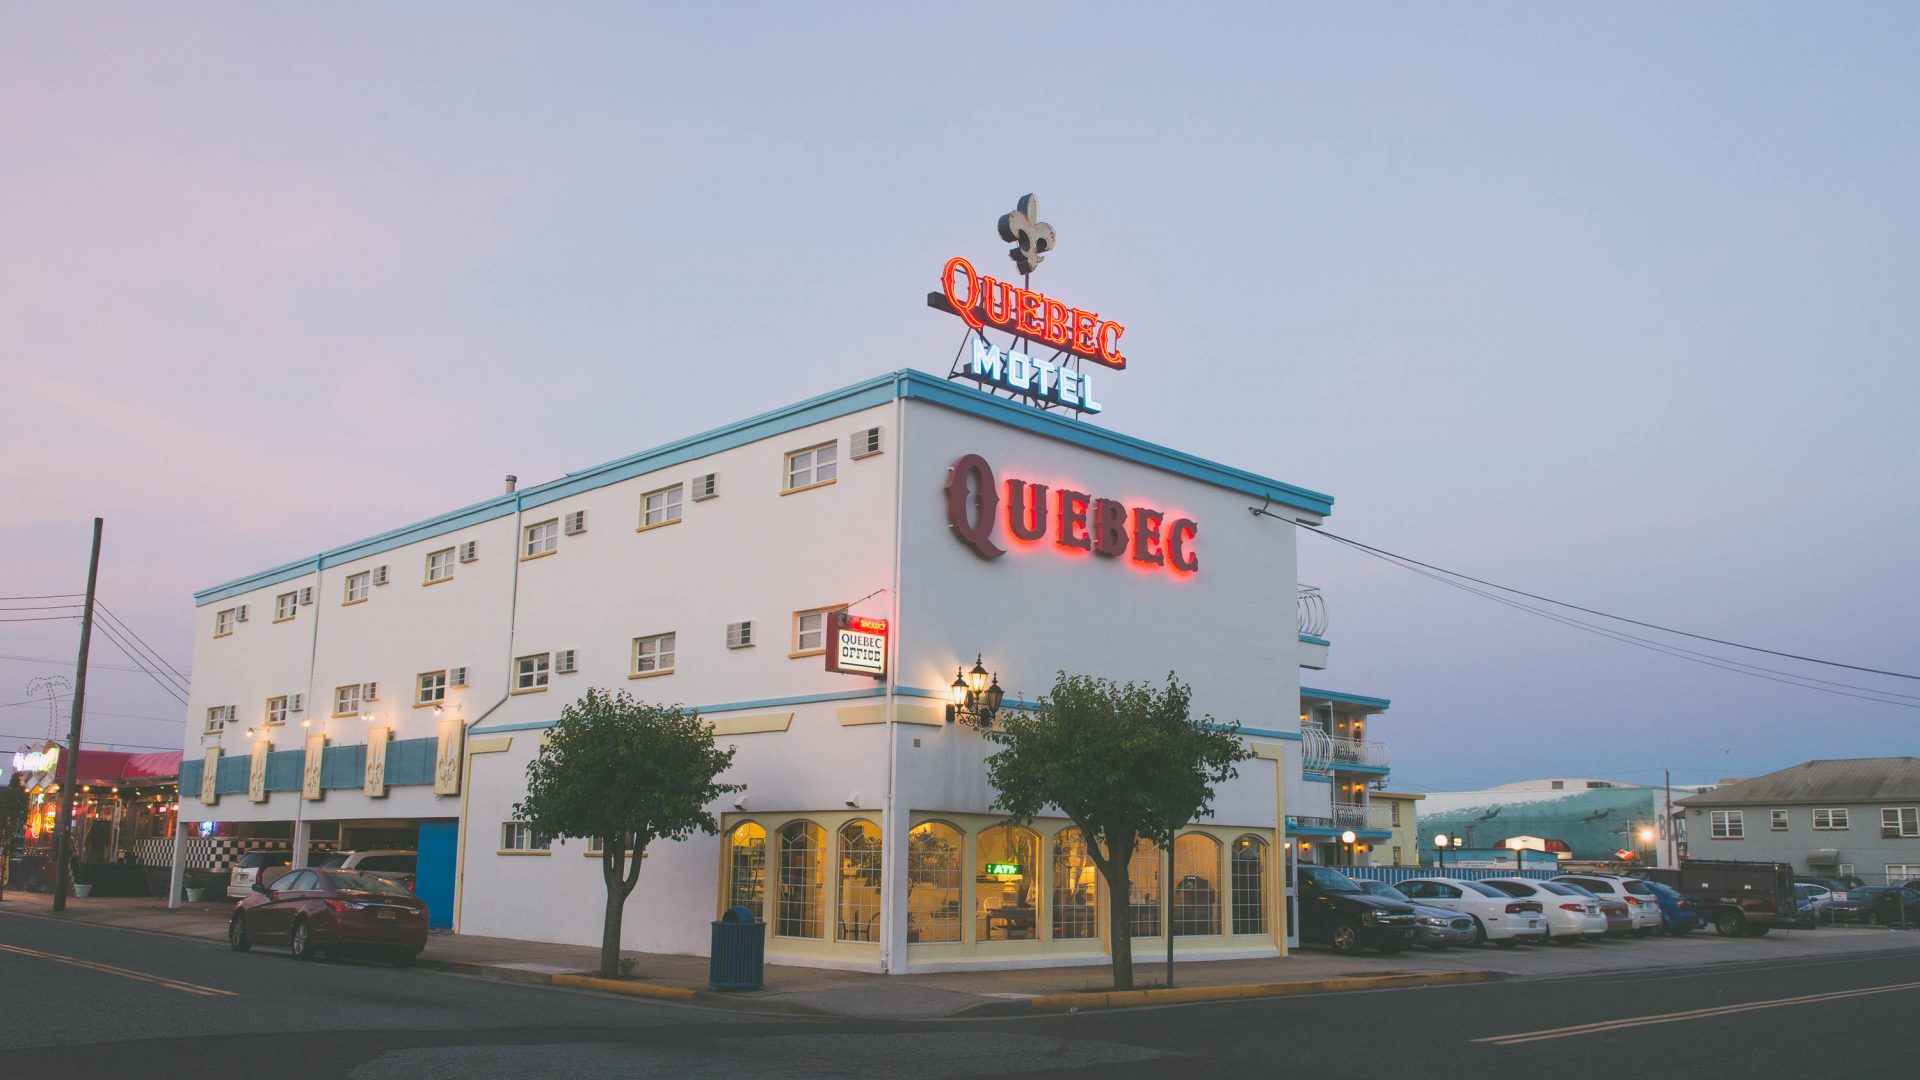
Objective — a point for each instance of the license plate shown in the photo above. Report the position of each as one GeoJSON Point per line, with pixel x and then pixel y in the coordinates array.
{"type": "Point", "coordinates": [387, 913]}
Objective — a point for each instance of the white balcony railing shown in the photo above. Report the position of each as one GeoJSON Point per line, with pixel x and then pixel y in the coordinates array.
{"type": "Point", "coordinates": [1380, 816]}
{"type": "Point", "coordinates": [1316, 749]}
{"type": "Point", "coordinates": [1349, 815]}
{"type": "Point", "coordinates": [1361, 752]}
{"type": "Point", "coordinates": [1313, 612]}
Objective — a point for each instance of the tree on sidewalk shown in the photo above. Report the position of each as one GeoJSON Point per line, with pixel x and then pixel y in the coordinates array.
{"type": "Point", "coordinates": [1125, 763]}
{"type": "Point", "coordinates": [623, 773]}
{"type": "Point", "coordinates": [13, 821]}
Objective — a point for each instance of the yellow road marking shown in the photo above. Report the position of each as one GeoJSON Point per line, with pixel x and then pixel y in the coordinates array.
{"type": "Point", "coordinates": [1690, 1014]}
{"type": "Point", "coordinates": [126, 973]}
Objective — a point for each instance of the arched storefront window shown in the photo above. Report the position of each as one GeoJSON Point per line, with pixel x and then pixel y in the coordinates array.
{"type": "Point", "coordinates": [860, 882]}
{"type": "Point", "coordinates": [747, 868]}
{"type": "Point", "coordinates": [1249, 885]}
{"type": "Point", "coordinates": [933, 882]}
{"type": "Point", "coordinates": [1076, 888]}
{"type": "Point", "coordinates": [1143, 889]}
{"type": "Point", "coordinates": [1006, 884]}
{"type": "Point", "coordinates": [1196, 885]}
{"type": "Point", "coordinates": [803, 856]}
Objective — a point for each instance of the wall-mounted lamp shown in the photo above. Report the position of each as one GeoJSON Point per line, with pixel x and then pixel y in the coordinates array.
{"type": "Point", "coordinates": [1348, 837]}
{"type": "Point", "coordinates": [975, 698]}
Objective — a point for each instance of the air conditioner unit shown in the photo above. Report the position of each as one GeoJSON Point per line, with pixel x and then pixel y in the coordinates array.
{"type": "Point", "coordinates": [306, 595]}
{"type": "Point", "coordinates": [706, 486]}
{"type": "Point", "coordinates": [380, 575]}
{"type": "Point", "coordinates": [469, 551]}
{"type": "Point", "coordinates": [369, 691]}
{"type": "Point", "coordinates": [576, 522]}
{"type": "Point", "coordinates": [739, 635]}
{"type": "Point", "coordinates": [296, 702]}
{"type": "Point", "coordinates": [865, 443]}
{"type": "Point", "coordinates": [563, 662]}
{"type": "Point", "coordinates": [457, 677]}
{"type": "Point", "coordinates": [240, 613]}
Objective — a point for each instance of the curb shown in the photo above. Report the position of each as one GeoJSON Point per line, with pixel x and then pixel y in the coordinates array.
{"type": "Point", "coordinates": [624, 986]}
{"type": "Point", "coordinates": [1121, 999]}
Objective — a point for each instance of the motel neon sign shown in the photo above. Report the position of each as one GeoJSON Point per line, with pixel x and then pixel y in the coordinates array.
{"type": "Point", "coordinates": [1073, 520]}
{"type": "Point", "coordinates": [982, 301]}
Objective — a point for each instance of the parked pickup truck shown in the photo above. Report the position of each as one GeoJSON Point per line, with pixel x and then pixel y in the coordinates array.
{"type": "Point", "coordinates": [1742, 899]}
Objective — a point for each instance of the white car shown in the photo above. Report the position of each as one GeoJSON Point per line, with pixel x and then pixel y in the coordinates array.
{"type": "Point", "coordinates": [1642, 904]}
{"type": "Point", "coordinates": [1497, 917]}
{"type": "Point", "coordinates": [256, 867]}
{"type": "Point", "coordinates": [1570, 915]}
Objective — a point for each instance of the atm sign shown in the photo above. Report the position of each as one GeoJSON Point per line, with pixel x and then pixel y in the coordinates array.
{"type": "Point", "coordinates": [857, 645]}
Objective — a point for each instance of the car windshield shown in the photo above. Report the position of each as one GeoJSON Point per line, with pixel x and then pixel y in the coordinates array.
{"type": "Point", "coordinates": [1561, 888]}
{"type": "Point", "coordinates": [257, 859]}
{"type": "Point", "coordinates": [1637, 888]}
{"type": "Point", "coordinates": [1658, 889]}
{"type": "Point", "coordinates": [1329, 881]}
{"type": "Point", "coordinates": [337, 861]}
{"type": "Point", "coordinates": [353, 881]}
{"type": "Point", "coordinates": [1381, 888]}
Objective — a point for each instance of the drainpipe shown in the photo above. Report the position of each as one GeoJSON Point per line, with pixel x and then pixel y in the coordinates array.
{"type": "Point", "coordinates": [466, 759]}
{"type": "Point", "coordinates": [893, 833]}
{"type": "Point", "coordinates": [301, 828]}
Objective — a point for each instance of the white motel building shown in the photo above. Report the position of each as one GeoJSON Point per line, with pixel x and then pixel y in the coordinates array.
{"type": "Point", "coordinates": [391, 692]}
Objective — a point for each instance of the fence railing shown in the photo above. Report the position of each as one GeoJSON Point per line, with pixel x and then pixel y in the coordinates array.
{"type": "Point", "coordinates": [1360, 752]}
{"type": "Point", "coordinates": [1313, 612]}
{"type": "Point", "coordinates": [1393, 875]}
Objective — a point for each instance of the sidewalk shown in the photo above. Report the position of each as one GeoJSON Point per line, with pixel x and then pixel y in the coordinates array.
{"type": "Point", "coordinates": [820, 992]}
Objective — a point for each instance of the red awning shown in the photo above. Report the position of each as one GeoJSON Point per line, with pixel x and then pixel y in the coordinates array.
{"type": "Point", "coordinates": [118, 766]}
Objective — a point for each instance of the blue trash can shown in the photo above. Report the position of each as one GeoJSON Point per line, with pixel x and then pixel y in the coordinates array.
{"type": "Point", "coordinates": [739, 950]}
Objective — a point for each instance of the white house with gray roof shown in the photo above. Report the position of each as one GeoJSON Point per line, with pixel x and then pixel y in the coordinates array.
{"type": "Point", "coordinates": [1846, 816]}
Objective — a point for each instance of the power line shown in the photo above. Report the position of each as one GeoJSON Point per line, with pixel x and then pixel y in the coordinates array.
{"type": "Point", "coordinates": [42, 618]}
{"type": "Point", "coordinates": [107, 631]}
{"type": "Point", "coordinates": [158, 660]}
{"type": "Point", "coordinates": [1590, 611]}
{"type": "Point", "coordinates": [97, 712]}
{"type": "Point", "coordinates": [91, 666]}
{"type": "Point", "coordinates": [48, 596]}
{"type": "Point", "coordinates": [1737, 667]}
{"type": "Point", "coordinates": [41, 607]}
{"type": "Point", "coordinates": [90, 742]}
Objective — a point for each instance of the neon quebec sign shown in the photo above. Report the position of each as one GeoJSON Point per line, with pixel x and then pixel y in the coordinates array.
{"type": "Point", "coordinates": [1076, 520]}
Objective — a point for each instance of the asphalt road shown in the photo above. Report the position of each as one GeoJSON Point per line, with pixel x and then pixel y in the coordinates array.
{"type": "Point", "coordinates": [81, 1001]}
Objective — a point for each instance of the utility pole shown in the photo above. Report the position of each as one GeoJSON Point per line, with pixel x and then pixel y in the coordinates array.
{"type": "Point", "coordinates": [62, 833]}
{"type": "Point", "coordinates": [1167, 892]}
{"type": "Point", "coordinates": [1673, 858]}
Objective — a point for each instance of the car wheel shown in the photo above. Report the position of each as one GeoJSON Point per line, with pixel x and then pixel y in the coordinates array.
{"type": "Point", "coordinates": [1436, 947]}
{"type": "Point", "coordinates": [1480, 931]}
{"type": "Point", "coordinates": [1645, 931]}
{"type": "Point", "coordinates": [1346, 938]}
{"type": "Point", "coordinates": [303, 947]}
{"type": "Point", "coordinates": [237, 939]}
{"type": "Point", "coordinates": [1730, 924]}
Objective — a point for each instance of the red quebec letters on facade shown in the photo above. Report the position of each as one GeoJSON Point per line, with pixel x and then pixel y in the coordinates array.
{"type": "Point", "coordinates": [1076, 520]}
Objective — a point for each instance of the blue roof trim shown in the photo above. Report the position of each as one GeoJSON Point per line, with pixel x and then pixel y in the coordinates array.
{"type": "Point", "coordinates": [1308, 692]}
{"type": "Point", "coordinates": [1264, 733]}
{"type": "Point", "coordinates": [905, 384]}
{"type": "Point", "coordinates": [1318, 779]}
{"type": "Point", "coordinates": [1309, 639]}
{"type": "Point", "coordinates": [918, 385]}
{"type": "Point", "coordinates": [1327, 830]}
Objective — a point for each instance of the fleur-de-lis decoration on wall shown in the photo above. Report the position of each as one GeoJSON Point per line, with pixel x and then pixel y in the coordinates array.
{"type": "Point", "coordinates": [1031, 237]}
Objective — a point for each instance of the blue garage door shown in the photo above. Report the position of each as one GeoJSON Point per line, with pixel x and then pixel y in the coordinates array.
{"type": "Point", "coordinates": [433, 876]}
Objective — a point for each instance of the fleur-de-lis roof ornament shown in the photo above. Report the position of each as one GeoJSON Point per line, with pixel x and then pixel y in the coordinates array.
{"type": "Point", "coordinates": [1031, 237]}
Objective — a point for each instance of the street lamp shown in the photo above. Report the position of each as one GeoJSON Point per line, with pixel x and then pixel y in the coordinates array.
{"type": "Point", "coordinates": [1440, 849]}
{"type": "Point", "coordinates": [975, 696]}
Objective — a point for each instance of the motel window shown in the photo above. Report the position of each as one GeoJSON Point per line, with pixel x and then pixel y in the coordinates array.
{"type": "Point", "coordinates": [747, 868]}
{"type": "Point", "coordinates": [1776, 821]}
{"type": "Point", "coordinates": [1394, 807]}
{"type": "Point", "coordinates": [813, 466]}
{"type": "Point", "coordinates": [540, 539]}
{"type": "Point", "coordinates": [933, 882]}
{"type": "Point", "coordinates": [803, 883]}
{"type": "Point", "coordinates": [1396, 855]}
{"type": "Point", "coordinates": [1250, 884]}
{"type": "Point", "coordinates": [1006, 884]}
{"type": "Point", "coordinates": [660, 507]}
{"type": "Point", "coordinates": [277, 710]}
{"type": "Point", "coordinates": [440, 565]}
{"type": "Point", "coordinates": [1143, 892]}
{"type": "Point", "coordinates": [357, 585]}
{"type": "Point", "coordinates": [1900, 821]}
{"type": "Point", "coordinates": [285, 606]}
{"type": "Point", "coordinates": [1728, 825]}
{"type": "Point", "coordinates": [430, 688]}
{"type": "Point", "coordinates": [217, 718]}
{"type": "Point", "coordinates": [346, 699]}
{"type": "Point", "coordinates": [653, 655]}
{"type": "Point", "coordinates": [860, 882]}
{"type": "Point", "coordinates": [1830, 820]}
{"type": "Point", "coordinates": [519, 836]}
{"type": "Point", "coordinates": [1898, 871]}
{"type": "Point", "coordinates": [530, 672]}
{"type": "Point", "coordinates": [1196, 885]}
{"type": "Point", "coordinates": [1075, 888]}
{"type": "Point", "coordinates": [810, 631]}
{"type": "Point", "coordinates": [223, 623]}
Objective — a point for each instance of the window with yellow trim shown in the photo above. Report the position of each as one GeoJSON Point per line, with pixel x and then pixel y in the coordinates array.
{"type": "Point", "coordinates": [1250, 884]}
{"type": "Point", "coordinates": [798, 909]}
{"type": "Point", "coordinates": [860, 882]}
{"type": "Point", "coordinates": [933, 882]}
{"type": "Point", "coordinates": [747, 868]}
{"type": "Point", "coordinates": [1196, 885]}
{"type": "Point", "coordinates": [814, 465]}
{"type": "Point", "coordinates": [1143, 889]}
{"type": "Point", "coordinates": [1006, 884]}
{"type": "Point", "coordinates": [439, 565]}
{"type": "Point", "coordinates": [430, 688]}
{"type": "Point", "coordinates": [1076, 888]}
{"type": "Point", "coordinates": [277, 709]}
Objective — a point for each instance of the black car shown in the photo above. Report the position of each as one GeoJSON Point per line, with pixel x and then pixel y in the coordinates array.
{"type": "Point", "coordinates": [1883, 905]}
{"type": "Point", "coordinates": [1335, 911]}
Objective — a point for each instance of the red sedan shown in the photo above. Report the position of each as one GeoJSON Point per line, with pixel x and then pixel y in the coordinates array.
{"type": "Point", "coordinates": [313, 911]}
